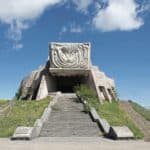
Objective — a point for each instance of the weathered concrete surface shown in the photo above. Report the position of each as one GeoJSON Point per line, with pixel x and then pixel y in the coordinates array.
{"type": "Point", "coordinates": [122, 132]}
{"type": "Point", "coordinates": [29, 84]}
{"type": "Point", "coordinates": [103, 84]}
{"type": "Point", "coordinates": [104, 125]}
{"type": "Point", "coordinates": [70, 55]}
{"type": "Point", "coordinates": [94, 114]}
{"type": "Point", "coordinates": [67, 61]}
{"type": "Point", "coordinates": [101, 122]}
{"type": "Point", "coordinates": [43, 89]}
{"type": "Point", "coordinates": [22, 133]}
{"type": "Point", "coordinates": [67, 119]}
{"type": "Point", "coordinates": [76, 143]}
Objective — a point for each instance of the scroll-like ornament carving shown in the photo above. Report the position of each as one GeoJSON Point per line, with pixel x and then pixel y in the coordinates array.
{"type": "Point", "coordinates": [70, 55]}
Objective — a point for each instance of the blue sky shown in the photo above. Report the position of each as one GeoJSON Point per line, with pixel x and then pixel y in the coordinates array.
{"type": "Point", "coordinates": [119, 31]}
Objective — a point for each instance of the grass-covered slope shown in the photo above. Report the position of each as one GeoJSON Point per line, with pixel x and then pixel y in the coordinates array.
{"type": "Point", "coordinates": [3, 102]}
{"type": "Point", "coordinates": [112, 112]}
{"type": "Point", "coordinates": [141, 110]}
{"type": "Point", "coordinates": [22, 113]}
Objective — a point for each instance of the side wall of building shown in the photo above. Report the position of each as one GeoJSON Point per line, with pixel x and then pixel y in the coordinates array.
{"type": "Point", "coordinates": [103, 85]}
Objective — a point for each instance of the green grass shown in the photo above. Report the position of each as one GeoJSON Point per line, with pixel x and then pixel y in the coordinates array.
{"type": "Point", "coordinates": [3, 102]}
{"type": "Point", "coordinates": [141, 110]}
{"type": "Point", "coordinates": [23, 113]}
{"type": "Point", "coordinates": [112, 112]}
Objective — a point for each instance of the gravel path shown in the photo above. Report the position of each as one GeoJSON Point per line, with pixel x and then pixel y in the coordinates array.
{"type": "Point", "coordinates": [139, 120]}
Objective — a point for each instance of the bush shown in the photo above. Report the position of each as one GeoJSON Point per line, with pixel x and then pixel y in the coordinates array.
{"type": "Point", "coordinates": [86, 93]}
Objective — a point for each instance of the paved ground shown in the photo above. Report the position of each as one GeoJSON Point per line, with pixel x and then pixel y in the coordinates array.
{"type": "Point", "coordinates": [139, 120]}
{"type": "Point", "coordinates": [73, 143]}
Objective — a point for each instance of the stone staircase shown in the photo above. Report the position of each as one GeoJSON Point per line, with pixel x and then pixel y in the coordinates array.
{"type": "Point", "coordinates": [68, 119]}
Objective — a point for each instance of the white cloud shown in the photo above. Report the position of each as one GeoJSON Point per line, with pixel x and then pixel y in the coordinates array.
{"type": "Point", "coordinates": [75, 28]}
{"type": "Point", "coordinates": [15, 30]}
{"type": "Point", "coordinates": [23, 9]}
{"type": "Point", "coordinates": [63, 30]}
{"type": "Point", "coordinates": [97, 6]}
{"type": "Point", "coordinates": [82, 5]}
{"type": "Point", "coordinates": [72, 28]}
{"type": "Point", "coordinates": [145, 6]}
{"type": "Point", "coordinates": [18, 14]}
{"type": "Point", "coordinates": [18, 46]}
{"type": "Point", "coordinates": [118, 15]}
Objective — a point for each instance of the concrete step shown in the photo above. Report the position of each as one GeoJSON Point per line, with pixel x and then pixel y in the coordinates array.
{"type": "Point", "coordinates": [67, 115]}
{"type": "Point", "coordinates": [71, 131]}
{"type": "Point", "coordinates": [68, 119]}
{"type": "Point", "coordinates": [69, 124]}
{"type": "Point", "coordinates": [71, 107]}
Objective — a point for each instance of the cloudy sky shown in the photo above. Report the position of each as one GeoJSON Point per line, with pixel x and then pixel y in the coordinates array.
{"type": "Point", "coordinates": [119, 31]}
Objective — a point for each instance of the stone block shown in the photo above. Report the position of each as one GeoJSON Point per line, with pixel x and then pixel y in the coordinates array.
{"type": "Point", "coordinates": [43, 89]}
{"type": "Point", "coordinates": [120, 132]}
{"type": "Point", "coordinates": [22, 133]}
{"type": "Point", "coordinates": [94, 114]}
{"type": "Point", "coordinates": [37, 128]}
{"type": "Point", "coordinates": [38, 123]}
{"type": "Point", "coordinates": [86, 106]}
{"type": "Point", "coordinates": [105, 126]}
{"type": "Point", "coordinates": [46, 114]}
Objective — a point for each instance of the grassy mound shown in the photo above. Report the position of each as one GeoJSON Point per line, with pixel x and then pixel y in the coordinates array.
{"type": "Point", "coordinates": [3, 102]}
{"type": "Point", "coordinates": [112, 112]}
{"type": "Point", "coordinates": [141, 110]}
{"type": "Point", "coordinates": [22, 113]}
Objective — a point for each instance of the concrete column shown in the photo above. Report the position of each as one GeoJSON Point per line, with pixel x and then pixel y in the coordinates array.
{"type": "Point", "coordinates": [43, 89]}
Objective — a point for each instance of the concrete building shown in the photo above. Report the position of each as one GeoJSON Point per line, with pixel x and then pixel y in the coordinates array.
{"type": "Point", "coordinates": [68, 65]}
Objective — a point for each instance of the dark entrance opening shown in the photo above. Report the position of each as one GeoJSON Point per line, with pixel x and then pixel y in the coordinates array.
{"type": "Point", "coordinates": [67, 84]}
{"type": "Point", "coordinates": [111, 94]}
{"type": "Point", "coordinates": [103, 91]}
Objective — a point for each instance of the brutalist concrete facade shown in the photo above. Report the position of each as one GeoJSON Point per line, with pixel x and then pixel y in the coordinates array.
{"type": "Point", "coordinates": [68, 65]}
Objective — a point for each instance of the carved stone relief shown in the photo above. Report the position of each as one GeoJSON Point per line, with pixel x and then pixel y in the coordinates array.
{"type": "Point", "coordinates": [64, 55]}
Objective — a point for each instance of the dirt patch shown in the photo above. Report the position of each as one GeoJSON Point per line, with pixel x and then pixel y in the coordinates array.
{"type": "Point", "coordinates": [140, 121]}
